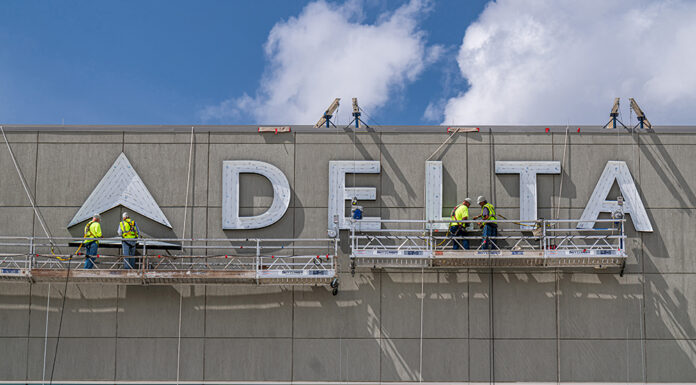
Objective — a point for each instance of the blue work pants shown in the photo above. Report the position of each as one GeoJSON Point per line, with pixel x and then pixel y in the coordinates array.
{"type": "Point", "coordinates": [457, 232]}
{"type": "Point", "coordinates": [489, 230]}
{"type": "Point", "coordinates": [128, 249]}
{"type": "Point", "coordinates": [91, 249]}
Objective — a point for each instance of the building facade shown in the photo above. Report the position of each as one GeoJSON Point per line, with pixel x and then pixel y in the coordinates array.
{"type": "Point", "coordinates": [385, 325]}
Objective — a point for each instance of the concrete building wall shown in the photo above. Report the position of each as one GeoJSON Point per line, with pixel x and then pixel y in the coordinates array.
{"type": "Point", "coordinates": [469, 325]}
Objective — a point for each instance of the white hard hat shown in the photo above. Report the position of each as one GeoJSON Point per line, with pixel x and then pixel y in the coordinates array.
{"type": "Point", "coordinates": [480, 199]}
{"type": "Point", "coordinates": [125, 215]}
{"type": "Point", "coordinates": [96, 216]}
{"type": "Point", "coordinates": [467, 199]}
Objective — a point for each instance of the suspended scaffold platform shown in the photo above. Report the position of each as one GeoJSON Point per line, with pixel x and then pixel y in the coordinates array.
{"type": "Point", "coordinates": [200, 261]}
{"type": "Point", "coordinates": [543, 243]}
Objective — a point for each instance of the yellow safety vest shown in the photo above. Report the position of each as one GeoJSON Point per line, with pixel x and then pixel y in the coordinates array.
{"type": "Point", "coordinates": [129, 229]}
{"type": "Point", "coordinates": [92, 231]}
{"type": "Point", "coordinates": [459, 213]}
{"type": "Point", "coordinates": [491, 211]}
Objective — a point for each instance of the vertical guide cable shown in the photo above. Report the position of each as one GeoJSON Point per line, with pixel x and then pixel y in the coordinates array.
{"type": "Point", "coordinates": [26, 189]}
{"type": "Point", "coordinates": [560, 190]}
{"type": "Point", "coordinates": [420, 363]}
{"type": "Point", "coordinates": [188, 181]}
{"type": "Point", "coordinates": [48, 306]}
{"type": "Point", "coordinates": [178, 344]}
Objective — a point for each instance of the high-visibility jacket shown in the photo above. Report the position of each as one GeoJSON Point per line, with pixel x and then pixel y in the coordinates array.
{"type": "Point", "coordinates": [129, 229]}
{"type": "Point", "coordinates": [93, 230]}
{"type": "Point", "coordinates": [458, 214]}
{"type": "Point", "coordinates": [491, 211]}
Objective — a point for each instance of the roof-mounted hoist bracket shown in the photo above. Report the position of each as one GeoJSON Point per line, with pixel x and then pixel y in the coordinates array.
{"type": "Point", "coordinates": [462, 129]}
{"type": "Point", "coordinates": [328, 114]}
{"type": "Point", "coordinates": [275, 130]}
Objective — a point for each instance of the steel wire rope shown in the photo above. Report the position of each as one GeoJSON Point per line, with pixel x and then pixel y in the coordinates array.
{"type": "Point", "coordinates": [560, 189]}
{"type": "Point", "coordinates": [60, 320]}
{"type": "Point", "coordinates": [420, 355]}
{"type": "Point", "coordinates": [29, 196]}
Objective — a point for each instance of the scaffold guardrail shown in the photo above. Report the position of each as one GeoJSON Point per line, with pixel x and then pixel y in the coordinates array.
{"type": "Point", "coordinates": [167, 261]}
{"type": "Point", "coordinates": [541, 243]}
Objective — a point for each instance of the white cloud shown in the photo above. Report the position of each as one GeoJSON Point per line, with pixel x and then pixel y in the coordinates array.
{"type": "Point", "coordinates": [327, 52]}
{"type": "Point", "coordinates": [540, 62]}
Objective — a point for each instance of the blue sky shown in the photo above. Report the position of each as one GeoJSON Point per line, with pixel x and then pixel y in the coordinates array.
{"type": "Point", "coordinates": [186, 62]}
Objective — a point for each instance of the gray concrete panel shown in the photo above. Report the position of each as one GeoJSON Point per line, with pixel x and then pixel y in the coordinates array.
{"type": "Point", "coordinates": [479, 304]}
{"type": "Point", "coordinates": [317, 359]}
{"type": "Point", "coordinates": [662, 138]}
{"type": "Point", "coordinates": [340, 136]}
{"type": "Point", "coordinates": [90, 310]}
{"type": "Point", "coordinates": [195, 223]}
{"type": "Point", "coordinates": [667, 176]}
{"type": "Point", "coordinates": [437, 136]}
{"type": "Point", "coordinates": [540, 137]}
{"type": "Point", "coordinates": [403, 172]}
{"type": "Point", "coordinates": [444, 292]}
{"type": "Point", "coordinates": [479, 172]}
{"type": "Point", "coordinates": [68, 172]}
{"type": "Point", "coordinates": [164, 137]}
{"type": "Point", "coordinates": [112, 136]}
{"type": "Point", "coordinates": [248, 311]}
{"type": "Point", "coordinates": [354, 313]}
{"type": "Point", "coordinates": [446, 360]}
{"type": "Point", "coordinates": [400, 359]}
{"type": "Point", "coordinates": [601, 361]}
{"type": "Point", "coordinates": [153, 311]}
{"type": "Point", "coordinates": [279, 155]}
{"type": "Point", "coordinates": [252, 137]}
{"type": "Point", "coordinates": [21, 137]}
{"type": "Point", "coordinates": [147, 359]}
{"type": "Point", "coordinates": [164, 168]}
{"type": "Point", "coordinates": [525, 360]}
{"type": "Point", "coordinates": [311, 222]}
{"type": "Point", "coordinates": [524, 305]}
{"type": "Point", "coordinates": [359, 360]}
{"type": "Point", "coordinates": [669, 306]}
{"type": "Point", "coordinates": [12, 192]}
{"type": "Point", "coordinates": [312, 172]}
{"type": "Point", "coordinates": [14, 309]}
{"type": "Point", "coordinates": [583, 166]}
{"type": "Point", "coordinates": [584, 137]}
{"type": "Point", "coordinates": [671, 360]}
{"type": "Point", "coordinates": [21, 224]}
{"type": "Point", "coordinates": [600, 306]}
{"type": "Point", "coordinates": [192, 356]}
{"type": "Point", "coordinates": [480, 360]}
{"type": "Point", "coordinates": [669, 249]}
{"type": "Point", "coordinates": [77, 359]}
{"type": "Point", "coordinates": [13, 358]}
{"type": "Point", "coordinates": [262, 359]}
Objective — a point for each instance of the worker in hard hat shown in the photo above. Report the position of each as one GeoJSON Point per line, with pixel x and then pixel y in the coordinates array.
{"type": "Point", "coordinates": [92, 230]}
{"type": "Point", "coordinates": [128, 230]}
{"type": "Point", "coordinates": [490, 227]}
{"type": "Point", "coordinates": [457, 229]}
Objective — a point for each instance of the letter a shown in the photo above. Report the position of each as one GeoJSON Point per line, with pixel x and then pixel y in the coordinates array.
{"type": "Point", "coordinates": [633, 205]}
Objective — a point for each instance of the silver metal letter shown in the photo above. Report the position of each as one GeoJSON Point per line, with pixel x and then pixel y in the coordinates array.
{"type": "Point", "coordinates": [528, 183]}
{"type": "Point", "coordinates": [120, 186]}
{"type": "Point", "coordinates": [230, 194]}
{"type": "Point", "coordinates": [433, 193]}
{"type": "Point", "coordinates": [633, 205]}
{"type": "Point", "coordinates": [339, 193]}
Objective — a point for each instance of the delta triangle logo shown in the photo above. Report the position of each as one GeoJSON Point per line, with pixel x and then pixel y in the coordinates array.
{"type": "Point", "coordinates": [120, 186]}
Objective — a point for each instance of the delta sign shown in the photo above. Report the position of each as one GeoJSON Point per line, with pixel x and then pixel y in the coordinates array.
{"type": "Point", "coordinates": [122, 186]}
